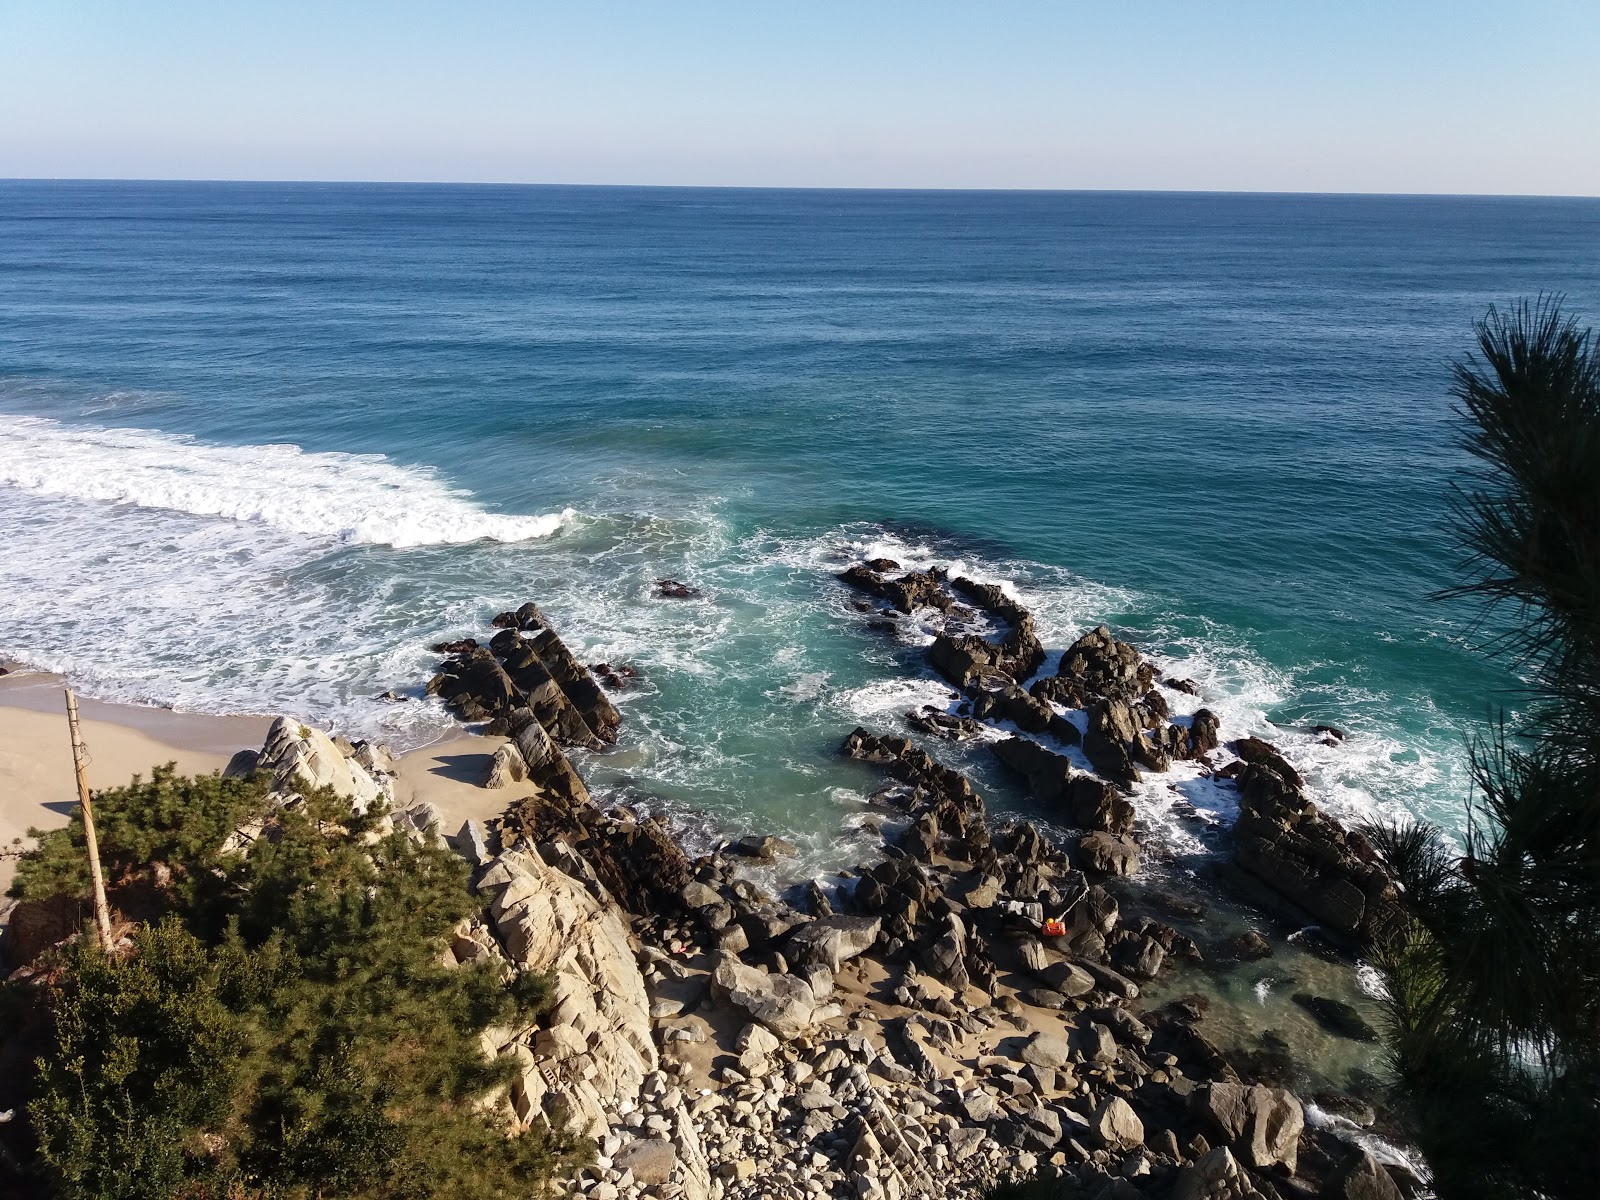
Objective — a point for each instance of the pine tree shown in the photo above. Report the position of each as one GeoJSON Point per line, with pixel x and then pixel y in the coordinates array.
{"type": "Point", "coordinates": [287, 1028]}
{"type": "Point", "coordinates": [1494, 991]}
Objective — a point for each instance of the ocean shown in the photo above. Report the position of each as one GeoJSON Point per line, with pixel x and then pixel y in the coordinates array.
{"type": "Point", "coordinates": [261, 444]}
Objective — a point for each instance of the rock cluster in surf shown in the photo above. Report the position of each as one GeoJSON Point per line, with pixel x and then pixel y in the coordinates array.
{"type": "Point", "coordinates": [916, 1030]}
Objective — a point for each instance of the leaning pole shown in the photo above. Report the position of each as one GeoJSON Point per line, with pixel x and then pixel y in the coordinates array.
{"type": "Point", "coordinates": [80, 763]}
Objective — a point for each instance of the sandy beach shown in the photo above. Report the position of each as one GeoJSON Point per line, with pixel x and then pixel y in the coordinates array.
{"type": "Point", "coordinates": [36, 779]}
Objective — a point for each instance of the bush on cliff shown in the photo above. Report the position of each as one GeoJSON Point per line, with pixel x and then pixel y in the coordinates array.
{"type": "Point", "coordinates": [1495, 988]}
{"type": "Point", "coordinates": [288, 1029]}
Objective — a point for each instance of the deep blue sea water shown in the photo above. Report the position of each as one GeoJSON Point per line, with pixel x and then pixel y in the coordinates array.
{"type": "Point", "coordinates": [261, 443]}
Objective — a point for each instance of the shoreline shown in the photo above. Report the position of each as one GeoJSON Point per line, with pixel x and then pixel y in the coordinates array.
{"type": "Point", "coordinates": [927, 1006]}
{"type": "Point", "coordinates": [37, 788]}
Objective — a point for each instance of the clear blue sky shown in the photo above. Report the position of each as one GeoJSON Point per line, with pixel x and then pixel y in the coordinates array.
{"type": "Point", "coordinates": [1404, 96]}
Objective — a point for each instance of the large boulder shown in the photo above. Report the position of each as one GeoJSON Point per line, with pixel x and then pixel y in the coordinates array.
{"type": "Point", "coordinates": [783, 1003]}
{"type": "Point", "coordinates": [552, 924]}
{"type": "Point", "coordinates": [1109, 855]}
{"type": "Point", "coordinates": [1363, 1178]}
{"type": "Point", "coordinates": [1261, 1124]}
{"type": "Point", "coordinates": [831, 941]}
{"type": "Point", "coordinates": [1117, 1126]}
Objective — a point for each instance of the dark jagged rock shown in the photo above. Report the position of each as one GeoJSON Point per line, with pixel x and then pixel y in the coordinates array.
{"type": "Point", "coordinates": [1204, 733]}
{"type": "Point", "coordinates": [1106, 666]}
{"type": "Point", "coordinates": [1253, 750]}
{"type": "Point", "coordinates": [907, 593]}
{"type": "Point", "coordinates": [636, 859]}
{"type": "Point", "coordinates": [946, 811]}
{"type": "Point", "coordinates": [546, 767]}
{"type": "Point", "coordinates": [586, 695]}
{"type": "Point", "coordinates": [931, 721]}
{"type": "Point", "coordinates": [1283, 842]}
{"type": "Point", "coordinates": [526, 666]}
{"type": "Point", "coordinates": [1090, 803]}
{"type": "Point", "coordinates": [1108, 854]}
{"type": "Point", "coordinates": [672, 589]}
{"type": "Point", "coordinates": [965, 659]}
{"type": "Point", "coordinates": [1110, 739]}
{"type": "Point", "coordinates": [1026, 711]}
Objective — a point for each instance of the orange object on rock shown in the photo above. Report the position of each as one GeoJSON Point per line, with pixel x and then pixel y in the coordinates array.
{"type": "Point", "coordinates": [1053, 928]}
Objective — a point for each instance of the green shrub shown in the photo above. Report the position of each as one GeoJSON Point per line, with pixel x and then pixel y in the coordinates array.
{"type": "Point", "coordinates": [289, 1028]}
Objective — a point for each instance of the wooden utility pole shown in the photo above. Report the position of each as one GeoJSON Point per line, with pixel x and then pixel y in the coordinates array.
{"type": "Point", "coordinates": [80, 762]}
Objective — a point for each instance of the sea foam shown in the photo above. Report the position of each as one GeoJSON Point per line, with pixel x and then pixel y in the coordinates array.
{"type": "Point", "coordinates": [356, 499]}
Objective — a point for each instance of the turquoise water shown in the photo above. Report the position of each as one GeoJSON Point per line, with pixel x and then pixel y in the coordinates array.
{"type": "Point", "coordinates": [261, 444]}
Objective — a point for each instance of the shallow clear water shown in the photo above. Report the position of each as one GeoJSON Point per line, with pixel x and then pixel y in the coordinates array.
{"type": "Point", "coordinates": [261, 444]}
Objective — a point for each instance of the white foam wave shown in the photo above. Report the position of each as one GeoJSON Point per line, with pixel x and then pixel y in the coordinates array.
{"type": "Point", "coordinates": [350, 498]}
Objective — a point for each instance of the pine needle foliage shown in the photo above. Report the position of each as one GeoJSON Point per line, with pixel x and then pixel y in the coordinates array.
{"type": "Point", "coordinates": [1494, 990]}
{"type": "Point", "coordinates": [288, 1030]}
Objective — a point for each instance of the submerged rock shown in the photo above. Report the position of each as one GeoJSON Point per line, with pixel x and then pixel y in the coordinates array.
{"type": "Point", "coordinates": [1337, 1017]}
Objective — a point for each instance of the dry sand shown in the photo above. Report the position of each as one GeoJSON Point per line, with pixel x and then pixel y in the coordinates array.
{"type": "Point", "coordinates": [37, 788]}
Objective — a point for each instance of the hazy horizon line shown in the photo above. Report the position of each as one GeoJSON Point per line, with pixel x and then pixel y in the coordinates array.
{"type": "Point", "coordinates": [796, 187]}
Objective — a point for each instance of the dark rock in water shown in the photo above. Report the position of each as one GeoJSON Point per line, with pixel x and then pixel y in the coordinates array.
{"type": "Point", "coordinates": [392, 697]}
{"type": "Point", "coordinates": [1337, 1017]}
{"type": "Point", "coordinates": [1332, 731]}
{"type": "Point", "coordinates": [460, 646]}
{"type": "Point", "coordinates": [672, 589]}
{"type": "Point", "coordinates": [1204, 733]}
{"type": "Point", "coordinates": [944, 805]}
{"type": "Point", "coordinates": [1187, 686]}
{"type": "Point", "coordinates": [475, 678]}
{"type": "Point", "coordinates": [1351, 1108]}
{"type": "Point", "coordinates": [527, 618]}
{"type": "Point", "coordinates": [882, 565]}
{"type": "Point", "coordinates": [1107, 744]}
{"type": "Point", "coordinates": [939, 724]}
{"type": "Point", "coordinates": [1106, 666]}
{"type": "Point", "coordinates": [1109, 855]}
{"type": "Point", "coordinates": [1178, 906]}
{"type": "Point", "coordinates": [574, 679]}
{"type": "Point", "coordinates": [1063, 690]}
{"type": "Point", "coordinates": [615, 677]}
{"type": "Point", "coordinates": [1362, 1177]}
{"type": "Point", "coordinates": [1090, 803]}
{"type": "Point", "coordinates": [1248, 946]}
{"type": "Point", "coordinates": [1254, 750]}
{"type": "Point", "coordinates": [1282, 841]}
{"type": "Point", "coordinates": [762, 848]}
{"type": "Point", "coordinates": [909, 592]}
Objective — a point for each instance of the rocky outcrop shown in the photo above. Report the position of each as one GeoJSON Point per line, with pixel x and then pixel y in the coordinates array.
{"type": "Point", "coordinates": [1299, 858]}
{"type": "Point", "coordinates": [300, 758]}
{"type": "Point", "coordinates": [633, 857]}
{"type": "Point", "coordinates": [905, 592]}
{"type": "Point", "coordinates": [596, 1046]}
{"type": "Point", "coordinates": [1085, 802]}
{"type": "Point", "coordinates": [786, 1004]}
{"type": "Point", "coordinates": [1103, 666]}
{"type": "Point", "coordinates": [526, 668]}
